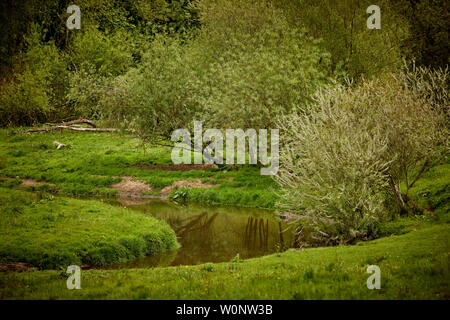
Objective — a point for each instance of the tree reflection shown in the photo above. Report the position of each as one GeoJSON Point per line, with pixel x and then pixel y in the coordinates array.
{"type": "Point", "coordinates": [218, 234]}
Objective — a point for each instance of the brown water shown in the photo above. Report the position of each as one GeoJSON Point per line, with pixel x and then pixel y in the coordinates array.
{"type": "Point", "coordinates": [214, 234]}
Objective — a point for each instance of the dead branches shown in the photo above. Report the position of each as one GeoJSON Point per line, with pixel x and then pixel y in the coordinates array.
{"type": "Point", "coordinates": [69, 126]}
{"type": "Point", "coordinates": [59, 145]}
{"type": "Point", "coordinates": [81, 121]}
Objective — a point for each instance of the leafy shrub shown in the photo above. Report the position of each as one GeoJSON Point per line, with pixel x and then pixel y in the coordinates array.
{"type": "Point", "coordinates": [260, 64]}
{"type": "Point", "coordinates": [86, 89]}
{"type": "Point", "coordinates": [230, 74]}
{"type": "Point", "coordinates": [38, 90]}
{"type": "Point", "coordinates": [355, 50]}
{"type": "Point", "coordinates": [97, 59]}
{"type": "Point", "coordinates": [272, 71]}
{"type": "Point", "coordinates": [343, 160]}
{"type": "Point", "coordinates": [107, 54]}
{"type": "Point", "coordinates": [433, 85]}
{"type": "Point", "coordinates": [159, 95]}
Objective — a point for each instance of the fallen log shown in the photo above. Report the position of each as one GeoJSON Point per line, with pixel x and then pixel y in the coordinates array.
{"type": "Point", "coordinates": [70, 128]}
{"type": "Point", "coordinates": [69, 123]}
{"type": "Point", "coordinates": [85, 121]}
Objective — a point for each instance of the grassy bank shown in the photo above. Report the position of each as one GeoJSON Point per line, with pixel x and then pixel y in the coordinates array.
{"type": "Point", "coordinates": [414, 265]}
{"type": "Point", "coordinates": [92, 162]}
{"type": "Point", "coordinates": [432, 191]}
{"type": "Point", "coordinates": [49, 232]}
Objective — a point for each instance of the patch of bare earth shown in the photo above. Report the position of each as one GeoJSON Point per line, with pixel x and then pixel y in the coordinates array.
{"type": "Point", "coordinates": [28, 182]}
{"type": "Point", "coordinates": [176, 167]}
{"type": "Point", "coordinates": [31, 183]}
{"type": "Point", "coordinates": [127, 188]}
{"type": "Point", "coordinates": [131, 192]}
{"type": "Point", "coordinates": [15, 266]}
{"type": "Point", "coordinates": [186, 184]}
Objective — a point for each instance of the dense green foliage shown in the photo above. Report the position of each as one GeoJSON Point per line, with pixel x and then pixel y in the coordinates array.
{"type": "Point", "coordinates": [355, 49]}
{"type": "Point", "coordinates": [42, 72]}
{"type": "Point", "coordinates": [231, 74]}
{"type": "Point", "coordinates": [429, 24]}
{"type": "Point", "coordinates": [229, 63]}
{"type": "Point", "coordinates": [51, 232]}
{"type": "Point", "coordinates": [39, 86]}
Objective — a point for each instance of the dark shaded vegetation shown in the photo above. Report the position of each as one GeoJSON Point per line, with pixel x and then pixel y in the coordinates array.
{"type": "Point", "coordinates": [153, 65]}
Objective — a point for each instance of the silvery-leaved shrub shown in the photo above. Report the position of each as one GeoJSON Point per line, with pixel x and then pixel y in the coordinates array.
{"type": "Point", "coordinates": [344, 159]}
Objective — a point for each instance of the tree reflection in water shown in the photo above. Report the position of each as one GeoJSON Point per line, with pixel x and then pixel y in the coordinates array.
{"type": "Point", "coordinates": [216, 234]}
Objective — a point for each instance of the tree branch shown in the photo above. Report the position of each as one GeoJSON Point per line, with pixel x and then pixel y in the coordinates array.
{"type": "Point", "coordinates": [420, 174]}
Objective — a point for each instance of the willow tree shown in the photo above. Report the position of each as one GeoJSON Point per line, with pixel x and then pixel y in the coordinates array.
{"type": "Point", "coordinates": [359, 148]}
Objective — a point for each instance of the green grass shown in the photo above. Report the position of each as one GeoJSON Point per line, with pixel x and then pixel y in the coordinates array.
{"type": "Point", "coordinates": [94, 161]}
{"type": "Point", "coordinates": [50, 232]}
{"type": "Point", "coordinates": [413, 266]}
{"type": "Point", "coordinates": [432, 191]}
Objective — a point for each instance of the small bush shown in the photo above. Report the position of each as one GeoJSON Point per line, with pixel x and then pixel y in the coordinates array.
{"type": "Point", "coordinates": [38, 90]}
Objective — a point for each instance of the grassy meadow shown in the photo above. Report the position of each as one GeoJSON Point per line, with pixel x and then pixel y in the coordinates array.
{"type": "Point", "coordinates": [92, 162]}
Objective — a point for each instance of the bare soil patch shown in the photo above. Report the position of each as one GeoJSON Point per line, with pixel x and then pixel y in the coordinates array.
{"type": "Point", "coordinates": [27, 182]}
{"type": "Point", "coordinates": [15, 266]}
{"type": "Point", "coordinates": [128, 188]}
{"type": "Point", "coordinates": [31, 183]}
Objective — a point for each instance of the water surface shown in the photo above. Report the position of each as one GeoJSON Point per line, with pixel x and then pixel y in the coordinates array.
{"type": "Point", "coordinates": [214, 234]}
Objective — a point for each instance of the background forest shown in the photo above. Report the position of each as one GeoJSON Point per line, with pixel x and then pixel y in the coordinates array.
{"type": "Point", "coordinates": [157, 64]}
